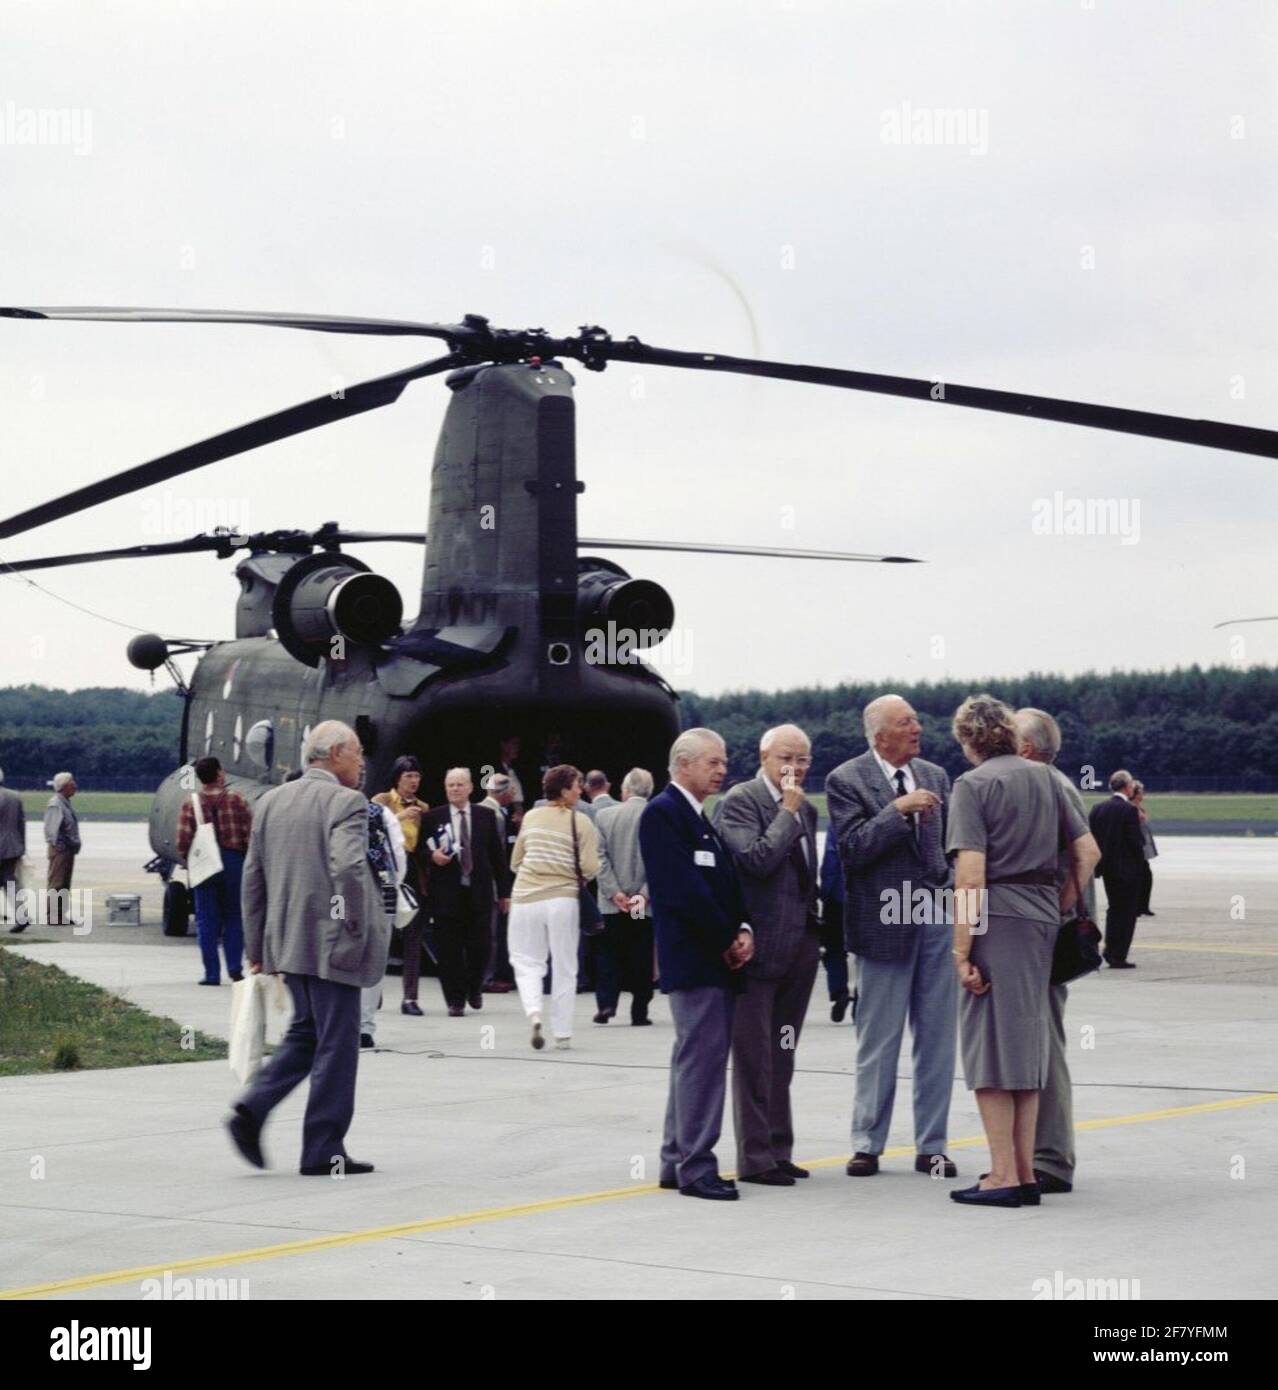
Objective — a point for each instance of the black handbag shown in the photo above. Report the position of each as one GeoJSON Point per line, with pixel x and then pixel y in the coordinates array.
{"type": "Point", "coordinates": [1078, 943]}
{"type": "Point", "coordinates": [589, 918]}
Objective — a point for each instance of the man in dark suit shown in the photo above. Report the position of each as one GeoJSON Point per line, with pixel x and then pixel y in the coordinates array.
{"type": "Point", "coordinates": [703, 940]}
{"type": "Point", "coordinates": [13, 845]}
{"type": "Point", "coordinates": [1115, 823]}
{"type": "Point", "coordinates": [468, 872]}
{"type": "Point", "coordinates": [770, 826]}
{"type": "Point", "coordinates": [887, 813]}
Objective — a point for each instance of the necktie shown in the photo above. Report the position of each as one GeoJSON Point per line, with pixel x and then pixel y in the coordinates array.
{"type": "Point", "coordinates": [900, 791]}
{"type": "Point", "coordinates": [467, 863]}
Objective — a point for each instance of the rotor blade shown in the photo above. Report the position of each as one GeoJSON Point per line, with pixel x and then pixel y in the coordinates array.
{"type": "Point", "coordinates": [297, 419]}
{"type": "Point", "coordinates": [319, 323]}
{"type": "Point", "coordinates": [780, 553]}
{"type": "Point", "coordinates": [1229, 621]}
{"type": "Point", "coordinates": [132, 552]}
{"type": "Point", "coordinates": [1211, 434]}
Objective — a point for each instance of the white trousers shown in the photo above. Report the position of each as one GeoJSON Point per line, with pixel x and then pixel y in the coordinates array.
{"type": "Point", "coordinates": [370, 1000]}
{"type": "Point", "coordinates": [535, 930]}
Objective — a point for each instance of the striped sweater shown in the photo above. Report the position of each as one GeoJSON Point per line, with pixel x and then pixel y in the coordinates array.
{"type": "Point", "coordinates": [542, 855]}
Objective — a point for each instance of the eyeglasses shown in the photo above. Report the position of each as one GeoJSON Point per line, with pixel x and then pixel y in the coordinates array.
{"type": "Point", "coordinates": [802, 761]}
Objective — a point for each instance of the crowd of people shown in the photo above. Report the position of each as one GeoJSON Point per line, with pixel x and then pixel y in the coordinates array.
{"type": "Point", "coordinates": [949, 897]}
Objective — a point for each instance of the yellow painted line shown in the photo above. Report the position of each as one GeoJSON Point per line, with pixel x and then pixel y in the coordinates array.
{"type": "Point", "coordinates": [1206, 950]}
{"type": "Point", "coordinates": [446, 1223]}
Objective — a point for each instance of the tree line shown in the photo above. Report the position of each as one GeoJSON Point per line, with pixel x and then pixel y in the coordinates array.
{"type": "Point", "coordinates": [1169, 727]}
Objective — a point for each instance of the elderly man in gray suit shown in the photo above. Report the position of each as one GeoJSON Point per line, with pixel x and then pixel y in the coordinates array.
{"type": "Point", "coordinates": [313, 912]}
{"type": "Point", "coordinates": [625, 957]}
{"type": "Point", "coordinates": [770, 827]}
{"type": "Point", "coordinates": [887, 813]}
{"type": "Point", "coordinates": [13, 845]}
{"type": "Point", "coordinates": [1038, 738]}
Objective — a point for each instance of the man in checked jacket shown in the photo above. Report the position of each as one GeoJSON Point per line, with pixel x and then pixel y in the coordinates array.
{"type": "Point", "coordinates": [887, 812]}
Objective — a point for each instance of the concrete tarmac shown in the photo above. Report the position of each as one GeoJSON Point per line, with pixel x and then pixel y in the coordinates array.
{"type": "Point", "coordinates": [504, 1173]}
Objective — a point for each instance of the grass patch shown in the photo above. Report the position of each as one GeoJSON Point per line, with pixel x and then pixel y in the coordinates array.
{"type": "Point", "coordinates": [50, 1021]}
{"type": "Point", "coordinates": [121, 805]}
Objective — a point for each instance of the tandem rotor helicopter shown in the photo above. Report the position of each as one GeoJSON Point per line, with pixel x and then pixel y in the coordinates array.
{"type": "Point", "coordinates": [503, 643]}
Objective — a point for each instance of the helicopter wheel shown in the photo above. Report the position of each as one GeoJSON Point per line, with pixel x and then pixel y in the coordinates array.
{"type": "Point", "coordinates": [177, 909]}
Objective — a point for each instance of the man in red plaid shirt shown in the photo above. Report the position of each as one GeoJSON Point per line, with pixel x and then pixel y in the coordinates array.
{"type": "Point", "coordinates": [217, 899]}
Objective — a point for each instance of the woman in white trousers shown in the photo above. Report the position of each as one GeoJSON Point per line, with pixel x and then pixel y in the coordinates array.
{"type": "Point", "coordinates": [544, 910]}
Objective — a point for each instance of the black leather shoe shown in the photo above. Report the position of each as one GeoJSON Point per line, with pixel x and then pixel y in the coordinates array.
{"type": "Point", "coordinates": [246, 1135]}
{"type": "Point", "coordinates": [1122, 965]}
{"type": "Point", "coordinates": [792, 1169]}
{"type": "Point", "coordinates": [712, 1189]}
{"type": "Point", "coordinates": [351, 1168]}
{"type": "Point", "coordinates": [214, 983]}
{"type": "Point", "coordinates": [774, 1177]}
{"type": "Point", "coordinates": [863, 1165]}
{"type": "Point", "coordinates": [235, 979]}
{"type": "Point", "coordinates": [476, 1001]}
{"type": "Point", "coordinates": [839, 1008]}
{"type": "Point", "coordinates": [1050, 1184]}
{"type": "Point", "coordinates": [411, 1006]}
{"type": "Point", "coordinates": [366, 1040]}
{"type": "Point", "coordinates": [668, 1184]}
{"type": "Point", "coordinates": [456, 1011]}
{"type": "Point", "coordinates": [924, 1163]}
{"type": "Point", "coordinates": [603, 1016]}
{"type": "Point", "coordinates": [987, 1197]}
{"type": "Point", "coordinates": [1031, 1196]}
{"type": "Point", "coordinates": [643, 1021]}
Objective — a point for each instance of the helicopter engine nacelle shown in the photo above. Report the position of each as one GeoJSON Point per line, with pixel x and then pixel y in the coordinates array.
{"type": "Point", "coordinates": [624, 614]}
{"type": "Point", "coordinates": [326, 600]}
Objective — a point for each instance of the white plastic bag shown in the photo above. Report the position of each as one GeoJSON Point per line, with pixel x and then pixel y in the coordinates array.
{"type": "Point", "coordinates": [248, 1026]}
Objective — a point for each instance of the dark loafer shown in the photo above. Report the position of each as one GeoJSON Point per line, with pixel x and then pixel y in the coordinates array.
{"type": "Point", "coordinates": [928, 1163]}
{"type": "Point", "coordinates": [863, 1165]}
{"type": "Point", "coordinates": [774, 1177]}
{"type": "Point", "coordinates": [603, 1016]}
{"type": "Point", "coordinates": [366, 1040]}
{"type": "Point", "coordinates": [668, 1184]}
{"type": "Point", "coordinates": [246, 1135]}
{"type": "Point", "coordinates": [987, 1197]}
{"type": "Point", "coordinates": [350, 1169]}
{"type": "Point", "coordinates": [792, 1169]}
{"type": "Point", "coordinates": [412, 1007]}
{"type": "Point", "coordinates": [712, 1189]}
{"type": "Point", "coordinates": [1031, 1193]}
{"type": "Point", "coordinates": [838, 1008]}
{"type": "Point", "coordinates": [1050, 1184]}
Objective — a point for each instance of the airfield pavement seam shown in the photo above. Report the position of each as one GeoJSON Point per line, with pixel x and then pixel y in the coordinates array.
{"type": "Point", "coordinates": [121, 1276]}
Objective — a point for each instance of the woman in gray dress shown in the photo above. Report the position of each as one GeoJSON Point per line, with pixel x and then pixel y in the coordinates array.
{"type": "Point", "coordinates": [1007, 817]}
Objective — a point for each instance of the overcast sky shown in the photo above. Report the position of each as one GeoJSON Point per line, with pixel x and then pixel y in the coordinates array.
{"type": "Point", "coordinates": [1100, 225]}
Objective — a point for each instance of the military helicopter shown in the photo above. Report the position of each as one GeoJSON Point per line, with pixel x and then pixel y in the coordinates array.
{"type": "Point", "coordinates": [506, 641]}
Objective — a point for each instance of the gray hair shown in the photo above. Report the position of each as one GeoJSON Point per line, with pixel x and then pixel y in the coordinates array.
{"type": "Point", "coordinates": [872, 715]}
{"type": "Point", "coordinates": [690, 745]}
{"type": "Point", "coordinates": [499, 783]}
{"type": "Point", "coordinates": [464, 770]}
{"type": "Point", "coordinates": [1120, 779]}
{"type": "Point", "coordinates": [638, 782]}
{"type": "Point", "coordinates": [1037, 728]}
{"type": "Point", "coordinates": [325, 739]}
{"type": "Point", "coordinates": [766, 741]}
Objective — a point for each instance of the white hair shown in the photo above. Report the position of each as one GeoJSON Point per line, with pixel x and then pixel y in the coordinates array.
{"type": "Point", "coordinates": [690, 745]}
{"type": "Point", "coordinates": [767, 740]}
{"type": "Point", "coordinates": [1, 774]}
{"type": "Point", "coordinates": [325, 739]}
{"type": "Point", "coordinates": [638, 782]}
{"type": "Point", "coordinates": [872, 715]}
{"type": "Point", "coordinates": [1037, 728]}
{"type": "Point", "coordinates": [465, 772]}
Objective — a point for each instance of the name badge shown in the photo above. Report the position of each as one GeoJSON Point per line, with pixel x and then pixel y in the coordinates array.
{"type": "Point", "coordinates": [704, 857]}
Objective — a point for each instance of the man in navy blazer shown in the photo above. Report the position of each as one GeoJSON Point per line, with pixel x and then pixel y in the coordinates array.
{"type": "Point", "coordinates": [703, 940]}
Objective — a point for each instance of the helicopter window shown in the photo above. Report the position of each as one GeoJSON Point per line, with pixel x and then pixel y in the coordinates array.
{"type": "Point", "coordinates": [259, 744]}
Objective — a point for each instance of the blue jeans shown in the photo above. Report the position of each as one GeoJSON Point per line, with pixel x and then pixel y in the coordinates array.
{"type": "Point", "coordinates": [217, 916]}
